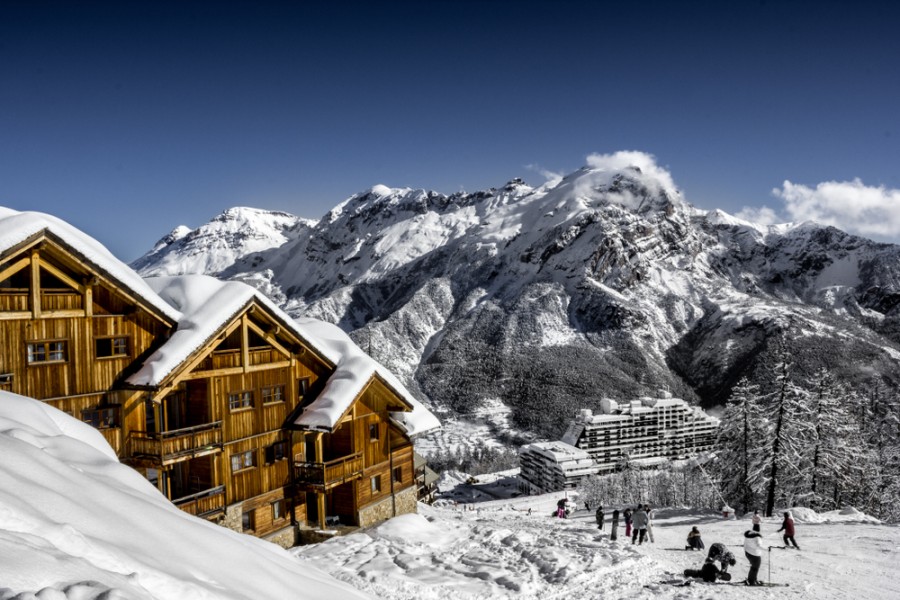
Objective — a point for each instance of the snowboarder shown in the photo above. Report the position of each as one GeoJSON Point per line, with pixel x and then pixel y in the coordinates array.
{"type": "Point", "coordinates": [788, 526]}
{"type": "Point", "coordinates": [694, 541]}
{"type": "Point", "coordinates": [718, 552]}
{"type": "Point", "coordinates": [753, 552]}
{"type": "Point", "coordinates": [600, 518]}
{"type": "Point", "coordinates": [639, 520]}
{"type": "Point", "coordinates": [627, 517]}
{"type": "Point", "coordinates": [614, 533]}
{"type": "Point", "coordinates": [756, 520]}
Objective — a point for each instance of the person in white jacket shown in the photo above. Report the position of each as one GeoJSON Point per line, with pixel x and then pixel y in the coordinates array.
{"type": "Point", "coordinates": [753, 549]}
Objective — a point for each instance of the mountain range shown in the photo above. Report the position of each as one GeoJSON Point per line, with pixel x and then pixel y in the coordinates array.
{"type": "Point", "coordinates": [603, 282]}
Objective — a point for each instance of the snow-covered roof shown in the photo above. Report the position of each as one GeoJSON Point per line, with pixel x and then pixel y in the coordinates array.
{"type": "Point", "coordinates": [208, 304]}
{"type": "Point", "coordinates": [17, 227]}
{"type": "Point", "coordinates": [354, 369]}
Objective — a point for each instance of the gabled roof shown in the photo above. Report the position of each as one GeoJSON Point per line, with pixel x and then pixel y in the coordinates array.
{"type": "Point", "coordinates": [17, 228]}
{"type": "Point", "coordinates": [208, 305]}
{"type": "Point", "coordinates": [354, 370]}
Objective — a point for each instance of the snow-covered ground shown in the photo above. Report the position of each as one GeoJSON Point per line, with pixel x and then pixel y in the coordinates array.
{"type": "Point", "coordinates": [76, 524]}
{"type": "Point", "coordinates": [501, 549]}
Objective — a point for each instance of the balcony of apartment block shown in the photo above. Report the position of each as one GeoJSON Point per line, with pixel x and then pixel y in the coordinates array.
{"type": "Point", "coordinates": [321, 476]}
{"type": "Point", "coordinates": [176, 445]}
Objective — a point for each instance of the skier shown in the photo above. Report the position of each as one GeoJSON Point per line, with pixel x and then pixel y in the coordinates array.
{"type": "Point", "coordinates": [753, 552]}
{"type": "Point", "coordinates": [639, 520]}
{"type": "Point", "coordinates": [614, 534]}
{"type": "Point", "coordinates": [600, 518]}
{"type": "Point", "coordinates": [718, 552]}
{"type": "Point", "coordinates": [695, 542]}
{"type": "Point", "coordinates": [627, 517]}
{"type": "Point", "coordinates": [756, 520]}
{"type": "Point", "coordinates": [788, 526]}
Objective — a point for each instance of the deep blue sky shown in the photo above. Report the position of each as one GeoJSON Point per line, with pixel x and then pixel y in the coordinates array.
{"type": "Point", "coordinates": [129, 118]}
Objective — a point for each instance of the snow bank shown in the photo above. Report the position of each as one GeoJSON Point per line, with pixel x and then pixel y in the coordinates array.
{"type": "Point", "coordinates": [74, 523]}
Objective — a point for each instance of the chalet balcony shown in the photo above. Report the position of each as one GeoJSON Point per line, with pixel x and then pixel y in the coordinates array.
{"type": "Point", "coordinates": [205, 504]}
{"type": "Point", "coordinates": [316, 476]}
{"type": "Point", "coordinates": [231, 359]}
{"type": "Point", "coordinates": [180, 444]}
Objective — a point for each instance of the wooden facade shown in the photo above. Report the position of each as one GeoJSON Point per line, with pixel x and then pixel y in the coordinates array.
{"type": "Point", "coordinates": [216, 436]}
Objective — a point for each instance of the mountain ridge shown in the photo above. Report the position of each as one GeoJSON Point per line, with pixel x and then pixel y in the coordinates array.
{"type": "Point", "coordinates": [602, 282]}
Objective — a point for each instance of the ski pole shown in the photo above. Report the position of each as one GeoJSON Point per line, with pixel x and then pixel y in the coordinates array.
{"type": "Point", "coordinates": [770, 565]}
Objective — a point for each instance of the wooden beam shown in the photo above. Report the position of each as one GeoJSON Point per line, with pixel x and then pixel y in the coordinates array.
{"type": "Point", "coordinates": [62, 276]}
{"type": "Point", "coordinates": [15, 268]}
{"type": "Point", "coordinates": [19, 314]}
{"type": "Point", "coordinates": [88, 299]}
{"type": "Point", "coordinates": [35, 284]}
{"type": "Point", "coordinates": [245, 342]}
{"type": "Point", "coordinates": [268, 337]}
{"type": "Point", "coordinates": [62, 313]}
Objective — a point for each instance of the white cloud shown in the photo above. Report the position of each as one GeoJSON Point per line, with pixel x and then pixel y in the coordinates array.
{"type": "Point", "coordinates": [624, 159]}
{"type": "Point", "coordinates": [848, 205]}
{"type": "Point", "coordinates": [762, 216]}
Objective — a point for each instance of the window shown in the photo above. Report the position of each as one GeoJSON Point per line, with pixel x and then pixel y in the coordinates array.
{"type": "Point", "coordinates": [398, 474]}
{"type": "Point", "coordinates": [243, 460]}
{"type": "Point", "coordinates": [46, 351]}
{"type": "Point", "coordinates": [271, 395]}
{"type": "Point", "coordinates": [302, 386]}
{"type": "Point", "coordinates": [6, 380]}
{"type": "Point", "coordinates": [279, 510]}
{"type": "Point", "coordinates": [240, 400]}
{"type": "Point", "coordinates": [276, 452]}
{"type": "Point", "coordinates": [373, 432]}
{"type": "Point", "coordinates": [248, 520]}
{"type": "Point", "coordinates": [375, 482]}
{"type": "Point", "coordinates": [110, 347]}
{"type": "Point", "coordinates": [101, 418]}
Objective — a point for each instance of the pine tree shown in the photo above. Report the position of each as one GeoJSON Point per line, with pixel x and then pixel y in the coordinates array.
{"type": "Point", "coordinates": [789, 429]}
{"type": "Point", "coordinates": [836, 446]}
{"type": "Point", "coordinates": [740, 437]}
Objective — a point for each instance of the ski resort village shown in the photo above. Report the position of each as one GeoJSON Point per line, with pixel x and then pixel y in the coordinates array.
{"type": "Point", "coordinates": [183, 435]}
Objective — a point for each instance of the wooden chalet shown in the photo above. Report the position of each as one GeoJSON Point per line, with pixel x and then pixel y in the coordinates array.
{"type": "Point", "coordinates": [233, 410]}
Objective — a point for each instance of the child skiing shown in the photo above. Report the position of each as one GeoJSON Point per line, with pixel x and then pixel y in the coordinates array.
{"type": "Point", "coordinates": [627, 517]}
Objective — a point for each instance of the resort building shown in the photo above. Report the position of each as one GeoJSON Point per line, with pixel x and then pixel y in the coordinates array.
{"type": "Point", "coordinates": [645, 432]}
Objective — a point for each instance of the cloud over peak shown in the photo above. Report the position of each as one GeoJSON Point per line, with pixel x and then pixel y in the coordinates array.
{"type": "Point", "coordinates": [848, 205]}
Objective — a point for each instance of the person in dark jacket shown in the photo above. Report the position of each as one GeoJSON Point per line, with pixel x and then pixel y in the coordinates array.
{"type": "Point", "coordinates": [788, 526]}
{"type": "Point", "coordinates": [709, 573]}
{"type": "Point", "coordinates": [695, 542]}
{"type": "Point", "coordinates": [614, 534]}
{"type": "Point", "coordinates": [627, 517]}
{"type": "Point", "coordinates": [600, 518]}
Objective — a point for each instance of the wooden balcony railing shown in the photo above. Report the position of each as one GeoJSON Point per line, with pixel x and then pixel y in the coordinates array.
{"type": "Point", "coordinates": [179, 444]}
{"type": "Point", "coordinates": [331, 473]}
{"type": "Point", "coordinates": [228, 359]}
{"type": "Point", "coordinates": [203, 504]}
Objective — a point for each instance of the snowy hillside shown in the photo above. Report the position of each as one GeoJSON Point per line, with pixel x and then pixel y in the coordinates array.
{"type": "Point", "coordinates": [602, 282]}
{"type": "Point", "coordinates": [74, 523]}
{"type": "Point", "coordinates": [500, 549]}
